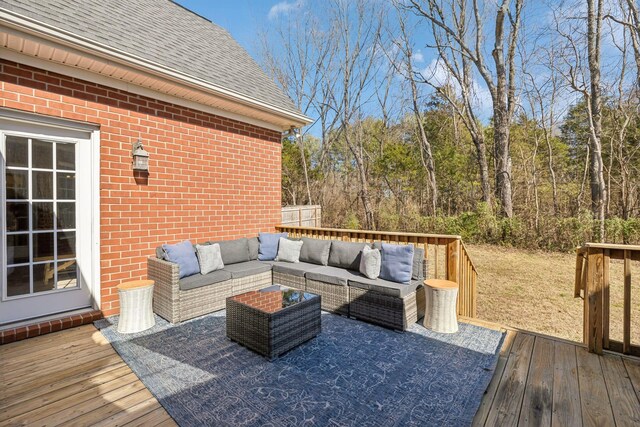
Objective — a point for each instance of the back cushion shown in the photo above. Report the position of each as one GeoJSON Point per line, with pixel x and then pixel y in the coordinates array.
{"type": "Point", "coordinates": [345, 254]}
{"type": "Point", "coordinates": [254, 244]}
{"type": "Point", "coordinates": [315, 251]}
{"type": "Point", "coordinates": [234, 251]}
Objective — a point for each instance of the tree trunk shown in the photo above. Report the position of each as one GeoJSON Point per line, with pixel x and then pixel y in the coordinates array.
{"type": "Point", "coordinates": [502, 153]}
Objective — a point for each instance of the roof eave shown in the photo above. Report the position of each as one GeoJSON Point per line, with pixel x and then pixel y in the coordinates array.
{"type": "Point", "coordinates": [57, 35]}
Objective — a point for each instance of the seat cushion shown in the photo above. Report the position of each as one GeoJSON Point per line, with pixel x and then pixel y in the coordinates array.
{"type": "Point", "coordinates": [200, 280]}
{"type": "Point", "coordinates": [294, 269]}
{"type": "Point", "coordinates": [248, 268]}
{"type": "Point", "coordinates": [331, 275]}
{"type": "Point", "coordinates": [385, 287]}
{"type": "Point", "coordinates": [234, 251]}
{"type": "Point", "coordinates": [315, 251]}
{"type": "Point", "coordinates": [346, 254]}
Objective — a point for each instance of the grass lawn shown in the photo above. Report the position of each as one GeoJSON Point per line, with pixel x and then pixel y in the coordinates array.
{"type": "Point", "coordinates": [533, 290]}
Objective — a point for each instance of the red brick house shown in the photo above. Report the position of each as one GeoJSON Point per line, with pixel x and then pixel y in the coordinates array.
{"type": "Point", "coordinates": [80, 83]}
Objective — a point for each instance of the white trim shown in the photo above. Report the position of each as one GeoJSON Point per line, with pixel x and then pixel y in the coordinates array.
{"type": "Point", "coordinates": [49, 121]}
{"type": "Point", "coordinates": [128, 87]}
{"type": "Point", "coordinates": [49, 32]}
{"type": "Point", "coordinates": [96, 287]}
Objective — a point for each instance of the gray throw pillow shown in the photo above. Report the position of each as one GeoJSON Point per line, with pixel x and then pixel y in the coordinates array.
{"type": "Point", "coordinates": [370, 262]}
{"type": "Point", "coordinates": [289, 250]}
{"type": "Point", "coordinates": [346, 254]}
{"type": "Point", "coordinates": [315, 251]}
{"type": "Point", "coordinates": [209, 257]}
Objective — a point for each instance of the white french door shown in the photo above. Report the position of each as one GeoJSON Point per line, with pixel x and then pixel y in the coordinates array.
{"type": "Point", "coordinates": [48, 247]}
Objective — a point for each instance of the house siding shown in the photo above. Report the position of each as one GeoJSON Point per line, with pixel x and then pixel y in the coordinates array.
{"type": "Point", "coordinates": [209, 177]}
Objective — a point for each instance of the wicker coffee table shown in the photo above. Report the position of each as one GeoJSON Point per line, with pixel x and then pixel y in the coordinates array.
{"type": "Point", "coordinates": [273, 320]}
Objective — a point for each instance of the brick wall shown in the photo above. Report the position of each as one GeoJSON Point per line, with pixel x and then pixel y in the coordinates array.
{"type": "Point", "coordinates": [209, 177]}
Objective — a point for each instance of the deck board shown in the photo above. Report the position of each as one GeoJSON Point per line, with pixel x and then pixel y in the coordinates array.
{"type": "Point", "coordinates": [551, 381]}
{"type": "Point", "coordinates": [74, 377]}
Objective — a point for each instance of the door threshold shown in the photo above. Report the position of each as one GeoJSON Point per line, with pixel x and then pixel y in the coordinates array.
{"type": "Point", "coordinates": [18, 331]}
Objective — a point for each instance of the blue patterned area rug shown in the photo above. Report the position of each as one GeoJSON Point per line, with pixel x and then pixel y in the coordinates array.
{"type": "Point", "coordinates": [352, 374]}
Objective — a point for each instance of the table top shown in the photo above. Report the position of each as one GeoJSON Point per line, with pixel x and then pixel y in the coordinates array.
{"type": "Point", "coordinates": [135, 284]}
{"type": "Point", "coordinates": [440, 284]}
{"type": "Point", "coordinates": [274, 298]}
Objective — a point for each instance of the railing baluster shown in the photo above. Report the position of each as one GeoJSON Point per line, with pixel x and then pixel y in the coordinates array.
{"type": "Point", "coordinates": [626, 324]}
{"type": "Point", "coordinates": [605, 298]}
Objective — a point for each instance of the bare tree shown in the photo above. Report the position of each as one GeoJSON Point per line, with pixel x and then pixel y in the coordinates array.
{"type": "Point", "coordinates": [406, 68]}
{"type": "Point", "coordinates": [446, 17]}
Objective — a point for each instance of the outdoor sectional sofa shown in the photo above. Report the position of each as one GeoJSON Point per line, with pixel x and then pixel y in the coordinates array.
{"type": "Point", "coordinates": [327, 267]}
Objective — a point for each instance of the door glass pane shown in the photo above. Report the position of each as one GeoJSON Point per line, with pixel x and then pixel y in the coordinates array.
{"type": "Point", "coordinates": [66, 244]}
{"type": "Point", "coordinates": [42, 185]}
{"type": "Point", "coordinates": [17, 281]}
{"type": "Point", "coordinates": [17, 216]}
{"type": "Point", "coordinates": [44, 276]}
{"type": "Point", "coordinates": [67, 274]}
{"type": "Point", "coordinates": [17, 151]}
{"type": "Point", "coordinates": [42, 153]}
{"type": "Point", "coordinates": [42, 246]}
{"type": "Point", "coordinates": [66, 215]}
{"type": "Point", "coordinates": [43, 216]}
{"type": "Point", "coordinates": [66, 156]}
{"type": "Point", "coordinates": [17, 248]}
{"type": "Point", "coordinates": [17, 184]}
{"type": "Point", "coordinates": [66, 186]}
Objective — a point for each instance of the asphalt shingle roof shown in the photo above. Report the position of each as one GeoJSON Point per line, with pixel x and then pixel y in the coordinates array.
{"type": "Point", "coordinates": [165, 33]}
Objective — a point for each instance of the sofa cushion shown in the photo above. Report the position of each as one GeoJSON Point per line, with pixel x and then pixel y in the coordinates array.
{"type": "Point", "coordinates": [417, 270]}
{"type": "Point", "coordinates": [200, 280]}
{"type": "Point", "coordinates": [385, 287]}
{"type": "Point", "coordinates": [294, 269]}
{"type": "Point", "coordinates": [397, 263]}
{"type": "Point", "coordinates": [345, 254]}
{"type": "Point", "coordinates": [209, 258]}
{"type": "Point", "coordinates": [247, 268]}
{"type": "Point", "coordinates": [268, 248]}
{"type": "Point", "coordinates": [289, 250]}
{"type": "Point", "coordinates": [184, 255]}
{"type": "Point", "coordinates": [331, 275]}
{"type": "Point", "coordinates": [370, 262]}
{"type": "Point", "coordinates": [234, 251]}
{"type": "Point", "coordinates": [254, 244]}
{"type": "Point", "coordinates": [315, 251]}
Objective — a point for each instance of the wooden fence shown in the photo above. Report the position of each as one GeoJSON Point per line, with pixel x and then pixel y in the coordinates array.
{"type": "Point", "coordinates": [447, 255]}
{"type": "Point", "coordinates": [593, 281]}
{"type": "Point", "coordinates": [303, 216]}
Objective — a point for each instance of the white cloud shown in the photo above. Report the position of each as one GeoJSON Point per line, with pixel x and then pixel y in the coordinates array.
{"type": "Point", "coordinates": [283, 8]}
{"type": "Point", "coordinates": [439, 75]}
{"type": "Point", "coordinates": [418, 57]}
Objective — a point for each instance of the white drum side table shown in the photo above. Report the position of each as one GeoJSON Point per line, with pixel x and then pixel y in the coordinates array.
{"type": "Point", "coordinates": [136, 309]}
{"type": "Point", "coordinates": [440, 312]}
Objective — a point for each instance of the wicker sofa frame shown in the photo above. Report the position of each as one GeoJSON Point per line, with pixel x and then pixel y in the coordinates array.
{"type": "Point", "coordinates": [177, 305]}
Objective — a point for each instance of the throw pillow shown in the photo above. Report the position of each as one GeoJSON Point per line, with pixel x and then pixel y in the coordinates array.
{"type": "Point", "coordinates": [268, 249]}
{"type": "Point", "coordinates": [315, 251]}
{"type": "Point", "coordinates": [209, 257]}
{"type": "Point", "coordinates": [397, 263]}
{"type": "Point", "coordinates": [370, 262]}
{"type": "Point", "coordinates": [289, 250]}
{"type": "Point", "coordinates": [183, 255]}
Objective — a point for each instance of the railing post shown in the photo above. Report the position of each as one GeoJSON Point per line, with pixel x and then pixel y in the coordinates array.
{"type": "Point", "coordinates": [593, 300]}
{"type": "Point", "coordinates": [453, 268]}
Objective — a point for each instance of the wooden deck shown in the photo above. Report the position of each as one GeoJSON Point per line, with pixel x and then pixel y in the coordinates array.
{"type": "Point", "coordinates": [547, 381]}
{"type": "Point", "coordinates": [75, 378]}
{"type": "Point", "coordinates": [72, 378]}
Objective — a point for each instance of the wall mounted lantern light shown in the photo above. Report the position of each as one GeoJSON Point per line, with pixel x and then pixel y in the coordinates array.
{"type": "Point", "coordinates": [140, 157]}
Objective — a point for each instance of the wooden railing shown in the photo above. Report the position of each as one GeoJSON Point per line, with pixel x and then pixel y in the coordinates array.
{"type": "Point", "coordinates": [447, 255]}
{"type": "Point", "coordinates": [592, 281]}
